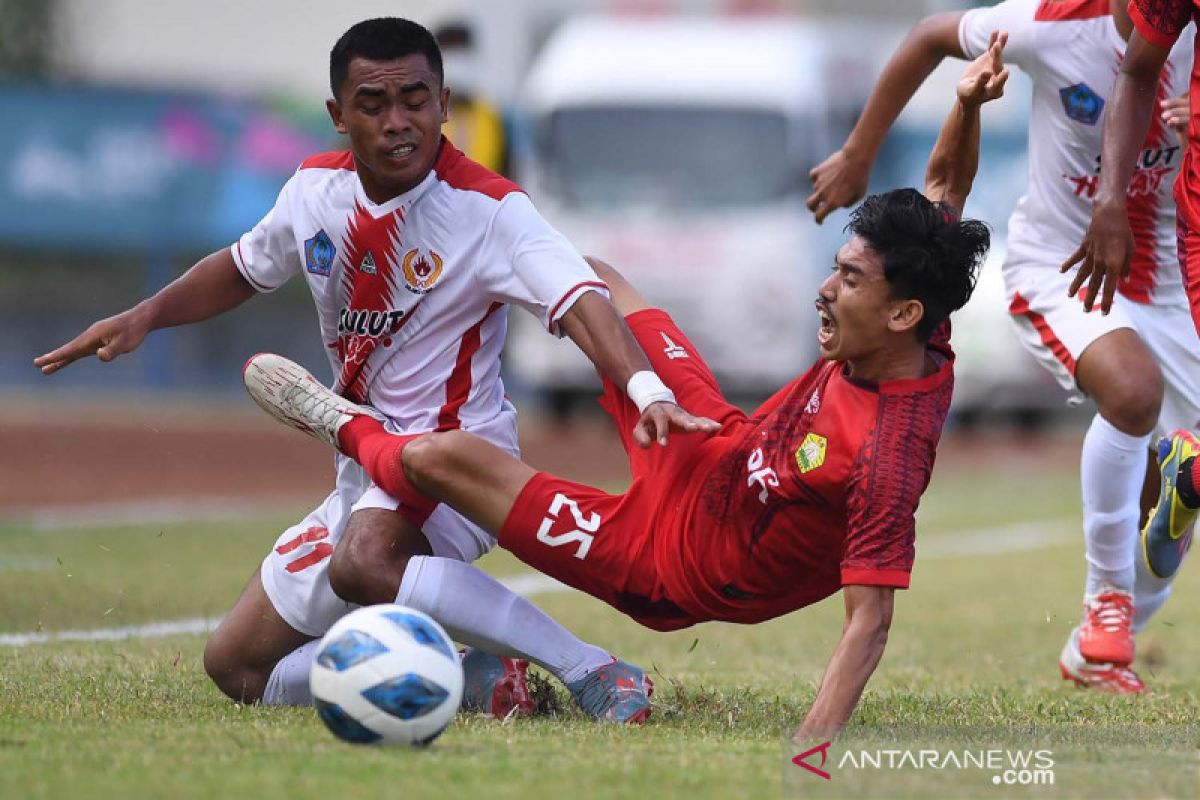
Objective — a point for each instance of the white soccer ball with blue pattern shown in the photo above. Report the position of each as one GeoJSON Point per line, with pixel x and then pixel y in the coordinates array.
{"type": "Point", "coordinates": [386, 674]}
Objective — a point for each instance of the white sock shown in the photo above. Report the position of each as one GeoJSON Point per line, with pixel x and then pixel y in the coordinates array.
{"type": "Point", "coordinates": [1150, 591]}
{"type": "Point", "coordinates": [288, 684]}
{"type": "Point", "coordinates": [479, 611]}
{"type": "Point", "coordinates": [1111, 470]}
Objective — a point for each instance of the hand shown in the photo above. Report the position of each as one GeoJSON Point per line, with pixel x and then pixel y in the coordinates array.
{"type": "Point", "coordinates": [659, 417]}
{"type": "Point", "coordinates": [985, 77]}
{"type": "Point", "coordinates": [1175, 114]}
{"type": "Point", "coordinates": [1103, 256]}
{"type": "Point", "coordinates": [105, 339]}
{"type": "Point", "coordinates": [838, 182]}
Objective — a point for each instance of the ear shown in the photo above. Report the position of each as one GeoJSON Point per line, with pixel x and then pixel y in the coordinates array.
{"type": "Point", "coordinates": [904, 315]}
{"type": "Point", "coordinates": [335, 114]}
{"type": "Point", "coordinates": [445, 104]}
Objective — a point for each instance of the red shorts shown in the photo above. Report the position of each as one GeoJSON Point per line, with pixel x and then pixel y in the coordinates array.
{"type": "Point", "coordinates": [1189, 264]}
{"type": "Point", "coordinates": [601, 543]}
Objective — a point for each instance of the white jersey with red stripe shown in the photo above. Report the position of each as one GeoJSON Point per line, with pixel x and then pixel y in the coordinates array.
{"type": "Point", "coordinates": [1072, 51]}
{"type": "Point", "coordinates": [411, 294]}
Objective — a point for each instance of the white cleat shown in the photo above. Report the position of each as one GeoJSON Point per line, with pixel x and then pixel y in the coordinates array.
{"type": "Point", "coordinates": [290, 394]}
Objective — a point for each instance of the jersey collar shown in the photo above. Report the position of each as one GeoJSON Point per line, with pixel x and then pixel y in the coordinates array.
{"type": "Point", "coordinates": [400, 201]}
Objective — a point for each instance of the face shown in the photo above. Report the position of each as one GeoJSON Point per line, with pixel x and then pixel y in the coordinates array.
{"type": "Point", "coordinates": [393, 113]}
{"type": "Point", "coordinates": [859, 318]}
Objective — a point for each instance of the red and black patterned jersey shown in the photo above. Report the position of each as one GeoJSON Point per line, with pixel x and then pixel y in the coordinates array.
{"type": "Point", "coordinates": [817, 489]}
{"type": "Point", "coordinates": [1161, 22]}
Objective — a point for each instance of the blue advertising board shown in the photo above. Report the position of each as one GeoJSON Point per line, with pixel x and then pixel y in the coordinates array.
{"type": "Point", "coordinates": [106, 168]}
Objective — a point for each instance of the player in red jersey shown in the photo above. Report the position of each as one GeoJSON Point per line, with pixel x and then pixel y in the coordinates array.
{"type": "Point", "coordinates": [814, 492]}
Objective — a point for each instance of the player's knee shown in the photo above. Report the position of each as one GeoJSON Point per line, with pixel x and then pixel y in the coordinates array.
{"type": "Point", "coordinates": [434, 459]}
{"type": "Point", "coordinates": [1132, 401]}
{"type": "Point", "coordinates": [236, 680]}
{"type": "Point", "coordinates": [368, 563]}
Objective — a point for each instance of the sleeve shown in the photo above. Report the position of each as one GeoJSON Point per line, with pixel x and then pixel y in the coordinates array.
{"type": "Point", "coordinates": [534, 266]}
{"type": "Point", "coordinates": [1016, 17]}
{"type": "Point", "coordinates": [1160, 21]}
{"type": "Point", "coordinates": [266, 255]}
{"type": "Point", "coordinates": [886, 484]}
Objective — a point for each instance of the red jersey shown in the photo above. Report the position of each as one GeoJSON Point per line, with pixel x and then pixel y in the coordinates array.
{"type": "Point", "coordinates": [816, 490]}
{"type": "Point", "coordinates": [1160, 22]}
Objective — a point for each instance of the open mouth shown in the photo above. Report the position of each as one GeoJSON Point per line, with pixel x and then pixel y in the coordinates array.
{"type": "Point", "coordinates": [828, 325]}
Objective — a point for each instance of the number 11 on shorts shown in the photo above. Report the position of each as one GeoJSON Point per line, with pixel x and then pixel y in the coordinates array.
{"type": "Point", "coordinates": [584, 526]}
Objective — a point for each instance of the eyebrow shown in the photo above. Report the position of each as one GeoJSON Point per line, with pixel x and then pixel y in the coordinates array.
{"type": "Point", "coordinates": [847, 266]}
{"type": "Point", "coordinates": [379, 91]}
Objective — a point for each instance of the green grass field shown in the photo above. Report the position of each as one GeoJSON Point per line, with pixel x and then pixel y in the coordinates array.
{"type": "Point", "coordinates": [971, 666]}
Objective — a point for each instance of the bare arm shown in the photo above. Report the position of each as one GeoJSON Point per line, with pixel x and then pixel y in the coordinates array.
{"type": "Point", "coordinates": [955, 157]}
{"type": "Point", "coordinates": [841, 180]}
{"type": "Point", "coordinates": [593, 324]}
{"type": "Point", "coordinates": [211, 287]}
{"type": "Point", "coordinates": [1103, 256]}
{"type": "Point", "coordinates": [864, 636]}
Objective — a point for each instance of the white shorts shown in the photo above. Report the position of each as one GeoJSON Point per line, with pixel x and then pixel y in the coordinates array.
{"type": "Point", "coordinates": [295, 574]}
{"type": "Point", "coordinates": [1057, 330]}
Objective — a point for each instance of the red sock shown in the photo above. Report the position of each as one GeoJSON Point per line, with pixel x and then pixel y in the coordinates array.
{"type": "Point", "coordinates": [366, 441]}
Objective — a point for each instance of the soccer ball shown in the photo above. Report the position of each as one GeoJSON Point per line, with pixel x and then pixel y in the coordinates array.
{"type": "Point", "coordinates": [386, 674]}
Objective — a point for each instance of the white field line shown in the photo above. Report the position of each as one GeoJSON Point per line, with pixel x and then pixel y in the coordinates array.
{"type": "Point", "coordinates": [985, 541]}
{"type": "Point", "coordinates": [167, 510]}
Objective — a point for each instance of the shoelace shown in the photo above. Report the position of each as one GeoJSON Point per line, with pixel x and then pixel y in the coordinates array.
{"type": "Point", "coordinates": [312, 405]}
{"type": "Point", "coordinates": [595, 697]}
{"type": "Point", "coordinates": [1113, 614]}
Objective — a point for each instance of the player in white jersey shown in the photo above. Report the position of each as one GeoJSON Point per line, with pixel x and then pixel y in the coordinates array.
{"type": "Point", "coordinates": [411, 252]}
{"type": "Point", "coordinates": [1141, 362]}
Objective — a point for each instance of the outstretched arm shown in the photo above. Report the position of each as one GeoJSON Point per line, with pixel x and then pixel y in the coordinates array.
{"type": "Point", "coordinates": [212, 286]}
{"type": "Point", "coordinates": [841, 179]}
{"type": "Point", "coordinates": [864, 636]}
{"type": "Point", "coordinates": [955, 157]}
{"type": "Point", "coordinates": [593, 323]}
{"type": "Point", "coordinates": [1104, 255]}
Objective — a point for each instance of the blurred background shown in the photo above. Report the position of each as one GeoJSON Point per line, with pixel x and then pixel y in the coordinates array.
{"type": "Point", "coordinates": [141, 136]}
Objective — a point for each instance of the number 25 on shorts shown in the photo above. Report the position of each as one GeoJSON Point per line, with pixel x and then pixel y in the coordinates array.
{"type": "Point", "coordinates": [584, 526]}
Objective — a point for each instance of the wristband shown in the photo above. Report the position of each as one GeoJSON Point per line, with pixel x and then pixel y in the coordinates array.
{"type": "Point", "coordinates": [645, 387]}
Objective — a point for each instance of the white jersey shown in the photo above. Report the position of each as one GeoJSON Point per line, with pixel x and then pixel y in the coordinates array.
{"type": "Point", "coordinates": [411, 294]}
{"type": "Point", "coordinates": [1071, 50]}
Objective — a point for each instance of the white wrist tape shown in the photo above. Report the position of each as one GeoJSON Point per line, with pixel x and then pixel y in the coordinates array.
{"type": "Point", "coordinates": [646, 387]}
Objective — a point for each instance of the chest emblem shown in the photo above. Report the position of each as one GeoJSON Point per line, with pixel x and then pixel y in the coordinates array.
{"type": "Point", "coordinates": [1081, 103]}
{"type": "Point", "coordinates": [368, 264]}
{"type": "Point", "coordinates": [421, 270]}
{"type": "Point", "coordinates": [319, 253]}
{"type": "Point", "coordinates": [811, 453]}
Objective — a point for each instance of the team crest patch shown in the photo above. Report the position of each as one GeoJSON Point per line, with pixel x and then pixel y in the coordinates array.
{"type": "Point", "coordinates": [421, 270]}
{"type": "Point", "coordinates": [319, 253]}
{"type": "Point", "coordinates": [811, 453]}
{"type": "Point", "coordinates": [1081, 103]}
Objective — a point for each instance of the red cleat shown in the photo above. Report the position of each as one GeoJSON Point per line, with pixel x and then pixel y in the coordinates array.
{"type": "Point", "coordinates": [496, 685]}
{"type": "Point", "coordinates": [1106, 631]}
{"type": "Point", "coordinates": [1110, 678]}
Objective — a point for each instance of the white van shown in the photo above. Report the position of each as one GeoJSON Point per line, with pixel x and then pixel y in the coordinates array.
{"type": "Point", "coordinates": [678, 149]}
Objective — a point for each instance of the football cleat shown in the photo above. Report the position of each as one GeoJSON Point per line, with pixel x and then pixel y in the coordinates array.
{"type": "Point", "coordinates": [495, 685]}
{"type": "Point", "coordinates": [1108, 678]}
{"type": "Point", "coordinates": [1106, 630]}
{"type": "Point", "coordinates": [1168, 531]}
{"type": "Point", "coordinates": [617, 692]}
{"type": "Point", "coordinates": [290, 394]}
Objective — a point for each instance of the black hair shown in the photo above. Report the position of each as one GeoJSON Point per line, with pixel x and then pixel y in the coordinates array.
{"type": "Point", "coordinates": [929, 254]}
{"type": "Point", "coordinates": [382, 39]}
